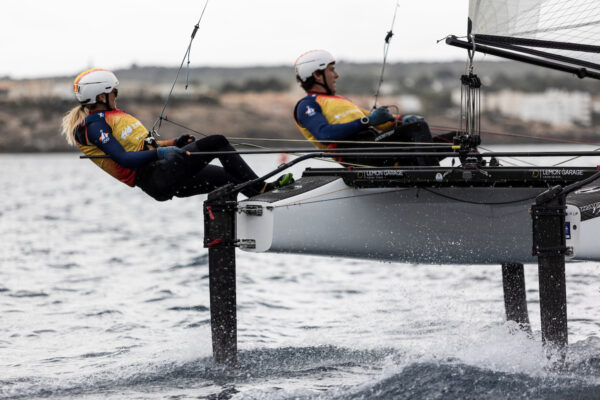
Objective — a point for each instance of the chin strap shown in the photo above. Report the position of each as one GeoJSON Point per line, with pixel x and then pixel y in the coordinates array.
{"type": "Point", "coordinates": [106, 103]}
{"type": "Point", "coordinates": [324, 84]}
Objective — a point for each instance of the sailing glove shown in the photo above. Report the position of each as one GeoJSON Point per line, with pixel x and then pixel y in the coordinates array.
{"type": "Point", "coordinates": [184, 139]}
{"type": "Point", "coordinates": [380, 116]}
{"type": "Point", "coordinates": [169, 153]}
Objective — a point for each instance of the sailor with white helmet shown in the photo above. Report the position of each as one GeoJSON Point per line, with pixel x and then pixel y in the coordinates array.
{"type": "Point", "coordinates": [314, 63]}
{"type": "Point", "coordinates": [322, 115]}
{"type": "Point", "coordinates": [162, 169]}
{"type": "Point", "coordinates": [325, 118]}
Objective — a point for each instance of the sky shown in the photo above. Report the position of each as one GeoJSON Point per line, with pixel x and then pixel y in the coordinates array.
{"type": "Point", "coordinates": [41, 38]}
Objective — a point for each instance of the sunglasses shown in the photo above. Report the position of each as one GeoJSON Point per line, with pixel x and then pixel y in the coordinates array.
{"type": "Point", "coordinates": [116, 92]}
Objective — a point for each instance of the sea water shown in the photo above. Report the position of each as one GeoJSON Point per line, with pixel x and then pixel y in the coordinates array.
{"type": "Point", "coordinates": [104, 295]}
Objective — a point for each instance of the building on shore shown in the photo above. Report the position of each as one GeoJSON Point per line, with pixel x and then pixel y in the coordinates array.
{"type": "Point", "coordinates": [554, 106]}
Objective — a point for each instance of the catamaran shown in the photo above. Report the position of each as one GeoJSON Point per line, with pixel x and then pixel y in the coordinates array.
{"type": "Point", "coordinates": [476, 212]}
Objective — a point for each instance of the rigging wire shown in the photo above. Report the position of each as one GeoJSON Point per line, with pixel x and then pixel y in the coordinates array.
{"type": "Point", "coordinates": [434, 128]}
{"type": "Point", "coordinates": [470, 99]}
{"type": "Point", "coordinates": [236, 142]}
{"type": "Point", "coordinates": [515, 161]}
{"type": "Point", "coordinates": [529, 137]}
{"type": "Point", "coordinates": [516, 135]}
{"type": "Point", "coordinates": [303, 140]}
{"type": "Point", "coordinates": [243, 141]}
{"type": "Point", "coordinates": [386, 48]}
{"type": "Point", "coordinates": [572, 158]}
{"type": "Point", "coordinates": [158, 122]}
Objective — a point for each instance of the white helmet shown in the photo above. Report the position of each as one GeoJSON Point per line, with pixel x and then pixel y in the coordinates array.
{"type": "Point", "coordinates": [311, 61]}
{"type": "Point", "coordinates": [92, 82]}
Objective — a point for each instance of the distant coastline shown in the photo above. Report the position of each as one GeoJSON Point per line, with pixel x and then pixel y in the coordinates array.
{"type": "Point", "coordinates": [257, 102]}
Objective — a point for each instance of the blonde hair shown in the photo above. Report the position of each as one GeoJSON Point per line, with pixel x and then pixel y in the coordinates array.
{"type": "Point", "coordinates": [71, 120]}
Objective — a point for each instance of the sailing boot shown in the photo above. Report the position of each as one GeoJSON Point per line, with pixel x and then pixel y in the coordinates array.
{"type": "Point", "coordinates": [283, 180]}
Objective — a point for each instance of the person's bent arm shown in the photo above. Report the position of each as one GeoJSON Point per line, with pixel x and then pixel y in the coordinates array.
{"type": "Point", "coordinates": [100, 134]}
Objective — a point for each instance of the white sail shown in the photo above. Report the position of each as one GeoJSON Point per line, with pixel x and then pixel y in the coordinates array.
{"type": "Point", "coordinates": [564, 22]}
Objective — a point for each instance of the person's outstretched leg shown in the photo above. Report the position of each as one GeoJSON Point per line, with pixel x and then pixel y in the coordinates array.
{"type": "Point", "coordinates": [205, 181]}
{"type": "Point", "coordinates": [212, 177]}
{"type": "Point", "coordinates": [234, 164]}
{"type": "Point", "coordinates": [235, 169]}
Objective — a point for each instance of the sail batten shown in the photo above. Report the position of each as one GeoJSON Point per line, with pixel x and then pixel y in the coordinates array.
{"type": "Point", "coordinates": [557, 29]}
{"type": "Point", "coordinates": [540, 54]}
{"type": "Point", "coordinates": [491, 39]}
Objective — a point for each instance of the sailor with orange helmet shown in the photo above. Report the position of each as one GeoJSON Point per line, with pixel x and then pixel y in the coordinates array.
{"type": "Point", "coordinates": [162, 169]}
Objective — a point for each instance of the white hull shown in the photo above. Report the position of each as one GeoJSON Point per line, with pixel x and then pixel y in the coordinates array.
{"type": "Point", "coordinates": [433, 225]}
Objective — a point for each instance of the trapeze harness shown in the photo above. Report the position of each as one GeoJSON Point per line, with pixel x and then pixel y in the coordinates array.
{"type": "Point", "coordinates": [322, 117]}
{"type": "Point", "coordinates": [106, 130]}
